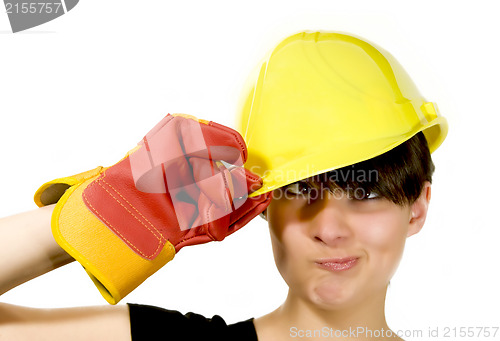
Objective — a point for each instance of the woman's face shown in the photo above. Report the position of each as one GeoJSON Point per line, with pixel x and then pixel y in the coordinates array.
{"type": "Point", "coordinates": [335, 251]}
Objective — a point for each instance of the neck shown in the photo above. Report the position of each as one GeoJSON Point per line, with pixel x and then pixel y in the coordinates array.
{"type": "Point", "coordinates": [299, 317]}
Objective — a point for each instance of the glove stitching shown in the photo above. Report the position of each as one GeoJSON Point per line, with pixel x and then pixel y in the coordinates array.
{"type": "Point", "coordinates": [226, 184]}
{"type": "Point", "coordinates": [209, 225]}
{"type": "Point", "coordinates": [160, 240]}
{"type": "Point", "coordinates": [114, 229]}
{"type": "Point", "coordinates": [135, 209]}
{"type": "Point", "coordinates": [253, 177]}
{"type": "Point", "coordinates": [237, 138]}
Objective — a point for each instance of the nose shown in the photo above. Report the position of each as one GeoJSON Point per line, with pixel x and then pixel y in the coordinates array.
{"type": "Point", "coordinates": [329, 221]}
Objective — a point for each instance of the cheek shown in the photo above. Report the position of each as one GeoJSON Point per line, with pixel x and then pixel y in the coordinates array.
{"type": "Point", "coordinates": [384, 235]}
{"type": "Point", "coordinates": [280, 213]}
{"type": "Point", "coordinates": [284, 239]}
{"type": "Point", "coordinates": [290, 256]}
{"type": "Point", "coordinates": [275, 220]}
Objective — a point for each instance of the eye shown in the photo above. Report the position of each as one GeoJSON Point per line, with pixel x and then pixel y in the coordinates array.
{"type": "Point", "coordinates": [371, 195]}
{"type": "Point", "coordinates": [298, 188]}
{"type": "Point", "coordinates": [361, 194]}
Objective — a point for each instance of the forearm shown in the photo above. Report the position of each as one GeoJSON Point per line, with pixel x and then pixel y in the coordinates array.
{"type": "Point", "coordinates": [27, 248]}
{"type": "Point", "coordinates": [83, 323]}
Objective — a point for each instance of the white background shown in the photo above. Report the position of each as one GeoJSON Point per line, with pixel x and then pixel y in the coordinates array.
{"type": "Point", "coordinates": [83, 89]}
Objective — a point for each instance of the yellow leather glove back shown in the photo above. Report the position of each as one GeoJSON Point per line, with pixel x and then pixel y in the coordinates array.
{"type": "Point", "coordinates": [113, 267]}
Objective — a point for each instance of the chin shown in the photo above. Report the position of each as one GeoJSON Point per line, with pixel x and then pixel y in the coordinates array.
{"type": "Point", "coordinates": [332, 296]}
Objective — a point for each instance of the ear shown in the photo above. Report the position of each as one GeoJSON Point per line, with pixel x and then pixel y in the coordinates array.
{"type": "Point", "coordinates": [418, 210]}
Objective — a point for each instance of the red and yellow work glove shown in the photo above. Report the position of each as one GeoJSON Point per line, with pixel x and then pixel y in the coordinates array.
{"type": "Point", "coordinates": [183, 184]}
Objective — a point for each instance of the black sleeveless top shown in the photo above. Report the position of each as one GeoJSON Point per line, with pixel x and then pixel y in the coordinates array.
{"type": "Point", "coordinates": [154, 323]}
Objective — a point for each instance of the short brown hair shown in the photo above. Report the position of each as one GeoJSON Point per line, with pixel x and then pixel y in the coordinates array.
{"type": "Point", "coordinates": [397, 175]}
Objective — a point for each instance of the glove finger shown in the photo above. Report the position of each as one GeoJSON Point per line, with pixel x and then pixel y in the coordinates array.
{"type": "Point", "coordinates": [224, 185]}
{"type": "Point", "coordinates": [216, 222]}
{"type": "Point", "coordinates": [249, 209]}
{"type": "Point", "coordinates": [178, 137]}
{"type": "Point", "coordinates": [214, 180]}
{"type": "Point", "coordinates": [186, 213]}
{"type": "Point", "coordinates": [168, 118]}
{"type": "Point", "coordinates": [226, 144]}
{"type": "Point", "coordinates": [244, 181]}
{"type": "Point", "coordinates": [254, 182]}
{"type": "Point", "coordinates": [159, 159]}
{"type": "Point", "coordinates": [166, 143]}
{"type": "Point", "coordinates": [212, 141]}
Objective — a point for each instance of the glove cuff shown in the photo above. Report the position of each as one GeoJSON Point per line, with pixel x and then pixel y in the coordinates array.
{"type": "Point", "coordinates": [114, 268]}
{"type": "Point", "coordinates": [50, 192]}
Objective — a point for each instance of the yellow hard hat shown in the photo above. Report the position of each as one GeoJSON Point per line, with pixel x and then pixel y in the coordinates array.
{"type": "Point", "coordinates": [325, 100]}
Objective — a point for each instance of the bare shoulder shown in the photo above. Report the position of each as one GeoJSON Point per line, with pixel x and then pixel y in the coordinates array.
{"type": "Point", "coordinates": [81, 323]}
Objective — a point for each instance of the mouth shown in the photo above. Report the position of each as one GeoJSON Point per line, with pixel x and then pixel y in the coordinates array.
{"type": "Point", "coordinates": [338, 264]}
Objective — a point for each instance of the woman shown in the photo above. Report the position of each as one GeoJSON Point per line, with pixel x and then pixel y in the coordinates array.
{"type": "Point", "coordinates": [341, 138]}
